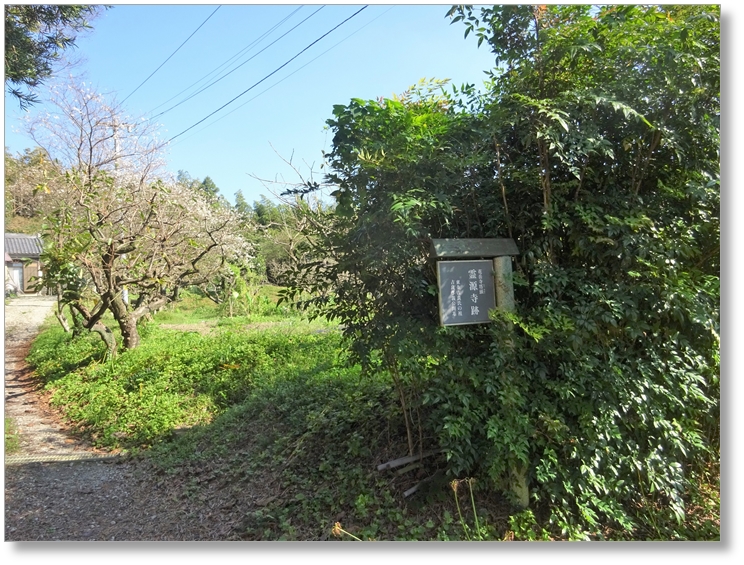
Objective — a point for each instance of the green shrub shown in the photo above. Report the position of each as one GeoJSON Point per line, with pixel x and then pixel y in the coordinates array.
{"type": "Point", "coordinates": [600, 394]}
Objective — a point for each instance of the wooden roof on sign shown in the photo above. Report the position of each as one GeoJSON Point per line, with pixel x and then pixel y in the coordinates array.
{"type": "Point", "coordinates": [472, 248]}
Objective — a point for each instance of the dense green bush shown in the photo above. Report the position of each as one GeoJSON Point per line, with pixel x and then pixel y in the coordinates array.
{"type": "Point", "coordinates": [596, 148]}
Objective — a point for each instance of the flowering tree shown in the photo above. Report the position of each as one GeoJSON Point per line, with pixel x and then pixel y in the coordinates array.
{"type": "Point", "coordinates": [122, 226]}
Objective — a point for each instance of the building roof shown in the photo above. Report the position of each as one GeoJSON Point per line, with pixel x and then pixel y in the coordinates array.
{"type": "Point", "coordinates": [20, 246]}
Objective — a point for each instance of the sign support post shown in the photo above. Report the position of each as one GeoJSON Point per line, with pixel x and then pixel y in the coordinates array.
{"type": "Point", "coordinates": [450, 293]}
{"type": "Point", "coordinates": [502, 272]}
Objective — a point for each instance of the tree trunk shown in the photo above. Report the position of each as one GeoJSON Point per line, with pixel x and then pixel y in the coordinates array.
{"type": "Point", "coordinates": [127, 319]}
{"type": "Point", "coordinates": [108, 338]}
{"type": "Point", "coordinates": [63, 321]}
{"type": "Point", "coordinates": [78, 324]}
{"type": "Point", "coordinates": [129, 333]}
{"type": "Point", "coordinates": [60, 312]}
{"type": "Point", "coordinates": [127, 323]}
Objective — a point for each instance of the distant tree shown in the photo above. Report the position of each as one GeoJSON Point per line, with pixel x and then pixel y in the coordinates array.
{"type": "Point", "coordinates": [31, 181]}
{"type": "Point", "coordinates": [206, 186]}
{"type": "Point", "coordinates": [266, 212]}
{"type": "Point", "coordinates": [185, 179]}
{"type": "Point", "coordinates": [35, 36]}
{"type": "Point", "coordinates": [279, 233]}
{"type": "Point", "coordinates": [209, 187]}
{"type": "Point", "coordinates": [241, 204]}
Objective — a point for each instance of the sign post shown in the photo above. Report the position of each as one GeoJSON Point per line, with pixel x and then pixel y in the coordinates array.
{"type": "Point", "coordinates": [502, 272]}
{"type": "Point", "coordinates": [475, 278]}
{"type": "Point", "coordinates": [466, 292]}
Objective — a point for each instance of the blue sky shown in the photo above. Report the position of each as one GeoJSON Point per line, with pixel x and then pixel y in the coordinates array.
{"type": "Point", "coordinates": [381, 51]}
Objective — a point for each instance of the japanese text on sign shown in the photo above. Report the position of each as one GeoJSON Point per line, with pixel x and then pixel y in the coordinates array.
{"type": "Point", "coordinates": [466, 292]}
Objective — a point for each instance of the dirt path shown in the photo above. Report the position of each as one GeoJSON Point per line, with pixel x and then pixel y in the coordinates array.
{"type": "Point", "coordinates": [59, 488]}
{"type": "Point", "coordinates": [42, 436]}
{"type": "Point", "coordinates": [49, 462]}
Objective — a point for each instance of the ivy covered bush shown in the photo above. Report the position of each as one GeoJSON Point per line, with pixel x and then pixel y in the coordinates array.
{"type": "Point", "coordinates": [595, 146]}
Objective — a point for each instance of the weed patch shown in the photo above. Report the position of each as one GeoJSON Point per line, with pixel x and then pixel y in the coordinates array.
{"type": "Point", "coordinates": [12, 439]}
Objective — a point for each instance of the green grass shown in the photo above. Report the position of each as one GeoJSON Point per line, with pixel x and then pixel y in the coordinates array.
{"type": "Point", "coordinates": [174, 379]}
{"type": "Point", "coordinates": [12, 439]}
{"type": "Point", "coordinates": [191, 308]}
{"type": "Point", "coordinates": [309, 440]}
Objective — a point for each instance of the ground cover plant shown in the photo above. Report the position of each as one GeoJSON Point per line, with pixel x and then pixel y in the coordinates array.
{"type": "Point", "coordinates": [176, 379]}
{"type": "Point", "coordinates": [269, 415]}
{"type": "Point", "coordinates": [268, 410]}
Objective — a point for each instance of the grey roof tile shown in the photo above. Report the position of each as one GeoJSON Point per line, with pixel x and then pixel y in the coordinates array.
{"type": "Point", "coordinates": [19, 245]}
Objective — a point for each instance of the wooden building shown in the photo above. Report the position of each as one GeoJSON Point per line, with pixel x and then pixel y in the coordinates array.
{"type": "Point", "coordinates": [22, 261]}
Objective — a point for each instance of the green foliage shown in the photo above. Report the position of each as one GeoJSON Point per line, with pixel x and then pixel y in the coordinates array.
{"type": "Point", "coordinates": [596, 148]}
{"type": "Point", "coordinates": [55, 354]}
{"type": "Point", "coordinates": [242, 295]}
{"type": "Point", "coordinates": [276, 230]}
{"type": "Point", "coordinates": [310, 441]}
{"type": "Point", "coordinates": [12, 437]}
{"type": "Point", "coordinates": [31, 183]}
{"type": "Point", "coordinates": [209, 187]}
{"type": "Point", "coordinates": [523, 527]}
{"type": "Point", "coordinates": [192, 307]}
{"type": "Point", "coordinates": [35, 36]}
{"type": "Point", "coordinates": [173, 379]}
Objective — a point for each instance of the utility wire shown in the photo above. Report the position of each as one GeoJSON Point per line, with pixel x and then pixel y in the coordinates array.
{"type": "Point", "coordinates": [236, 68]}
{"type": "Point", "coordinates": [290, 74]}
{"type": "Point", "coordinates": [171, 55]}
{"type": "Point", "coordinates": [238, 54]}
{"type": "Point", "coordinates": [267, 76]}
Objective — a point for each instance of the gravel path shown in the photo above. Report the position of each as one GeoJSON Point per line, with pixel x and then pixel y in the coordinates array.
{"type": "Point", "coordinates": [58, 488]}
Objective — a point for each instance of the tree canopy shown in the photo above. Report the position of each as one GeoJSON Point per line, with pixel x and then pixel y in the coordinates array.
{"type": "Point", "coordinates": [120, 225]}
{"type": "Point", "coordinates": [35, 37]}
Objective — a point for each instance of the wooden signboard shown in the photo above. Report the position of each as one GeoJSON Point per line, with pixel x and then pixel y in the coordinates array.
{"type": "Point", "coordinates": [466, 292]}
{"type": "Point", "coordinates": [469, 289]}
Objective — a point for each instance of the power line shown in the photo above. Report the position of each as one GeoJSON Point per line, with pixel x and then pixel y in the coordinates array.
{"type": "Point", "coordinates": [269, 75]}
{"type": "Point", "coordinates": [292, 73]}
{"type": "Point", "coordinates": [171, 55]}
{"type": "Point", "coordinates": [238, 54]}
{"type": "Point", "coordinates": [236, 68]}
